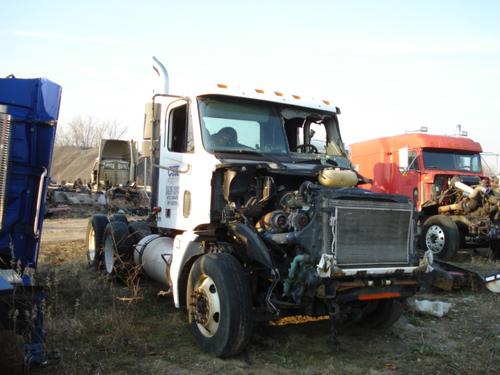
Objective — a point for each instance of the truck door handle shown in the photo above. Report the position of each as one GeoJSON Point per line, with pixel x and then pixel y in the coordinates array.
{"type": "Point", "coordinates": [186, 169]}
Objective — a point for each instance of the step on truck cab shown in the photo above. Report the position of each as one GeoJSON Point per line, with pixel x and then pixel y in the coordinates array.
{"type": "Point", "coordinates": [457, 205]}
{"type": "Point", "coordinates": [256, 216]}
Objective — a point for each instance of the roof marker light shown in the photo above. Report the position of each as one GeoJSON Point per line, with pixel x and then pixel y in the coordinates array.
{"type": "Point", "coordinates": [222, 85]}
{"type": "Point", "coordinates": [327, 102]}
{"type": "Point", "coordinates": [277, 93]}
{"type": "Point", "coordinates": [296, 96]}
{"type": "Point", "coordinates": [259, 91]}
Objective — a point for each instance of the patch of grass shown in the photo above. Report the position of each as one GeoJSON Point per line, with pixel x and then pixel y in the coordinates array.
{"type": "Point", "coordinates": [415, 320]}
{"type": "Point", "coordinates": [424, 349]}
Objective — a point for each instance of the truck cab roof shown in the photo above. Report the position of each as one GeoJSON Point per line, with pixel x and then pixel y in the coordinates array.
{"type": "Point", "coordinates": [264, 94]}
{"type": "Point", "coordinates": [420, 140]}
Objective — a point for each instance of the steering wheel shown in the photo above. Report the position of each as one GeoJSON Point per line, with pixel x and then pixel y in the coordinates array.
{"type": "Point", "coordinates": [306, 148]}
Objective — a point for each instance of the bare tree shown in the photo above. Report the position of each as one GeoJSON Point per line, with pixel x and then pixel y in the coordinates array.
{"type": "Point", "coordinates": [86, 132]}
{"type": "Point", "coordinates": [112, 130]}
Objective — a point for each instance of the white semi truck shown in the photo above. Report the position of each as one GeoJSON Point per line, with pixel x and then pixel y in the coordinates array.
{"type": "Point", "coordinates": [250, 222]}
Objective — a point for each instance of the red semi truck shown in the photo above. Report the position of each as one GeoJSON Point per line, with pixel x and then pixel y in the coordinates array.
{"type": "Point", "coordinates": [456, 203]}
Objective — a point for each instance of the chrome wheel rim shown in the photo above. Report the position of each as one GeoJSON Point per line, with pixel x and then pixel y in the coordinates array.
{"type": "Point", "coordinates": [206, 306]}
{"type": "Point", "coordinates": [91, 251]}
{"type": "Point", "coordinates": [435, 239]}
{"type": "Point", "coordinates": [109, 255]}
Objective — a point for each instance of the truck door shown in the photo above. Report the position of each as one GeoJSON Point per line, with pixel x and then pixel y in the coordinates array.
{"type": "Point", "coordinates": [409, 177]}
{"type": "Point", "coordinates": [184, 188]}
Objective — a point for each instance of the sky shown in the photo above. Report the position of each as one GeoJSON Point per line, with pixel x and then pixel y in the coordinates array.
{"type": "Point", "coordinates": [391, 66]}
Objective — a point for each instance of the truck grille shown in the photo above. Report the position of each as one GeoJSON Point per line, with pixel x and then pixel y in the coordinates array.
{"type": "Point", "coordinates": [4, 161]}
{"type": "Point", "coordinates": [371, 233]}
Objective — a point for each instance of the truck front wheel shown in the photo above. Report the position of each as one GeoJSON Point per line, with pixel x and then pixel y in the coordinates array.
{"type": "Point", "coordinates": [219, 304]}
{"type": "Point", "coordinates": [441, 236]}
{"type": "Point", "coordinates": [382, 314]}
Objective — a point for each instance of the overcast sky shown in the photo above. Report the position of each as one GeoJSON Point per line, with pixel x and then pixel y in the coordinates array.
{"type": "Point", "coordinates": [390, 66]}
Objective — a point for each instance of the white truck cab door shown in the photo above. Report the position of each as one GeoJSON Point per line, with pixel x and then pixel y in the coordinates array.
{"type": "Point", "coordinates": [184, 182]}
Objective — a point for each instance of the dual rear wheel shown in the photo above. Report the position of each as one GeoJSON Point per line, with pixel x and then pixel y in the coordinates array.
{"type": "Point", "coordinates": [110, 242]}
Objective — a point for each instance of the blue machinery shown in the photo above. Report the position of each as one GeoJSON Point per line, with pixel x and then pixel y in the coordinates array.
{"type": "Point", "coordinates": [29, 109]}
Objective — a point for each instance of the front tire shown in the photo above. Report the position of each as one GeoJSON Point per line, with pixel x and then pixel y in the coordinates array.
{"type": "Point", "coordinates": [441, 235]}
{"type": "Point", "coordinates": [95, 240]}
{"type": "Point", "coordinates": [219, 304]}
{"type": "Point", "coordinates": [382, 314]}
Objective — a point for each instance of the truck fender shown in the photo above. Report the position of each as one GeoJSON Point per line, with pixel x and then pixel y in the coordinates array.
{"type": "Point", "coordinates": [255, 247]}
{"type": "Point", "coordinates": [186, 250]}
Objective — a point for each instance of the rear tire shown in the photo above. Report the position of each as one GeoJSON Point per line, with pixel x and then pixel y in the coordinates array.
{"type": "Point", "coordinates": [382, 314]}
{"type": "Point", "coordinates": [117, 248]}
{"type": "Point", "coordinates": [95, 240]}
{"type": "Point", "coordinates": [495, 249]}
{"type": "Point", "coordinates": [440, 235]}
{"type": "Point", "coordinates": [138, 230]}
{"type": "Point", "coordinates": [118, 217]}
{"type": "Point", "coordinates": [219, 304]}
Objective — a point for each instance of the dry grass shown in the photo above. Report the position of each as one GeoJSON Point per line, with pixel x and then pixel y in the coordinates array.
{"type": "Point", "coordinates": [104, 327]}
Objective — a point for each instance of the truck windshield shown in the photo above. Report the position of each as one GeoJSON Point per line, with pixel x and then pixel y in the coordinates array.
{"type": "Point", "coordinates": [455, 161]}
{"type": "Point", "coordinates": [235, 125]}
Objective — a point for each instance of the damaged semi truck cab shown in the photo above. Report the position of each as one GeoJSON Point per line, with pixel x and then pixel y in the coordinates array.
{"type": "Point", "coordinates": [251, 222]}
{"type": "Point", "coordinates": [115, 164]}
{"type": "Point", "coordinates": [456, 203]}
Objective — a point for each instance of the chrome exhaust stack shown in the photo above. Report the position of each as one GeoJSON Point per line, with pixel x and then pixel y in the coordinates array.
{"type": "Point", "coordinates": [162, 74]}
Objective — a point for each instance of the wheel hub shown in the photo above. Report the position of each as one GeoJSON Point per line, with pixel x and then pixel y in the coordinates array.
{"type": "Point", "coordinates": [435, 239]}
{"type": "Point", "coordinates": [206, 307]}
{"type": "Point", "coordinates": [201, 310]}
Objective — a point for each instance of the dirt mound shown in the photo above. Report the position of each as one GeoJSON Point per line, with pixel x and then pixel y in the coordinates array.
{"type": "Point", "coordinates": [70, 163]}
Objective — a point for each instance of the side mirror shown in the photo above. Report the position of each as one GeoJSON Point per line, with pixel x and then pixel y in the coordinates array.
{"type": "Point", "coordinates": [403, 159]}
{"type": "Point", "coordinates": [151, 118]}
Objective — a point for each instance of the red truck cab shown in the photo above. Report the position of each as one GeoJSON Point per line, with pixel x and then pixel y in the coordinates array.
{"type": "Point", "coordinates": [434, 170]}
{"type": "Point", "coordinates": [414, 164]}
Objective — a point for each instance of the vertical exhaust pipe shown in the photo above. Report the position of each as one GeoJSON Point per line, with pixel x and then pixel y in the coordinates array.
{"type": "Point", "coordinates": [162, 73]}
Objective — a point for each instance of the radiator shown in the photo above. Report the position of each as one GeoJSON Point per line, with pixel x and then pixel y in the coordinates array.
{"type": "Point", "coordinates": [370, 233]}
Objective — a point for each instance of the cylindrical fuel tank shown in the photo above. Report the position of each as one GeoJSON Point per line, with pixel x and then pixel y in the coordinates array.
{"type": "Point", "coordinates": [154, 254]}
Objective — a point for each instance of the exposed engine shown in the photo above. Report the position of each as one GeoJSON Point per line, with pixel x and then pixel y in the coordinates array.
{"type": "Point", "coordinates": [472, 203]}
{"type": "Point", "coordinates": [315, 230]}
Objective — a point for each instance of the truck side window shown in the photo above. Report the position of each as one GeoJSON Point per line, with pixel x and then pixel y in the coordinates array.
{"type": "Point", "coordinates": [180, 134]}
{"type": "Point", "coordinates": [413, 161]}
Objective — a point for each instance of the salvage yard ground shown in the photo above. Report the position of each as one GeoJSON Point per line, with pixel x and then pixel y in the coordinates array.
{"type": "Point", "coordinates": [100, 327]}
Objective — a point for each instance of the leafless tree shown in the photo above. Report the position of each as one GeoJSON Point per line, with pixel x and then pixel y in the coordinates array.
{"type": "Point", "coordinates": [87, 132]}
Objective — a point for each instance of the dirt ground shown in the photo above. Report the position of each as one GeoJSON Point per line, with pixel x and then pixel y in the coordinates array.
{"type": "Point", "coordinates": [103, 327]}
